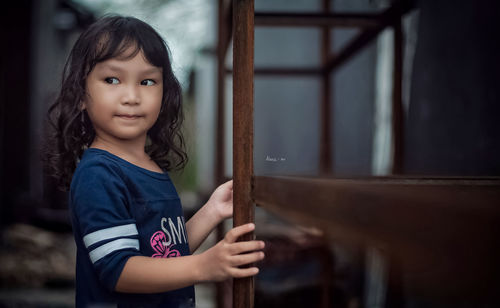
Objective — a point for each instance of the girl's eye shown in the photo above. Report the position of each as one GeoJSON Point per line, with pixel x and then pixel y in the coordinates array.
{"type": "Point", "coordinates": [148, 82]}
{"type": "Point", "coordinates": [112, 80]}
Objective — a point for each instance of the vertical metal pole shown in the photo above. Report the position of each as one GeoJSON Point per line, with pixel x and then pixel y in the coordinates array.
{"type": "Point", "coordinates": [243, 50]}
{"type": "Point", "coordinates": [221, 74]}
{"type": "Point", "coordinates": [325, 152]}
{"type": "Point", "coordinates": [397, 103]}
{"type": "Point", "coordinates": [220, 131]}
{"type": "Point", "coordinates": [326, 167]}
{"type": "Point", "coordinates": [395, 296]}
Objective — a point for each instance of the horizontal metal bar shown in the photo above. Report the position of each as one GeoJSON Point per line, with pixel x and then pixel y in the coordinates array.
{"type": "Point", "coordinates": [388, 17]}
{"type": "Point", "coordinates": [448, 226]}
{"type": "Point", "coordinates": [366, 20]}
{"type": "Point", "coordinates": [385, 210]}
{"type": "Point", "coordinates": [285, 71]}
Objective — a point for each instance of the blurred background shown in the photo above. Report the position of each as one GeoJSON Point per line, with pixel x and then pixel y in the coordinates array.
{"type": "Point", "coordinates": [451, 109]}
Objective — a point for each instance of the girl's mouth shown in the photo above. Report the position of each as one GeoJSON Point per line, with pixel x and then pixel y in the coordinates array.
{"type": "Point", "coordinates": [128, 116]}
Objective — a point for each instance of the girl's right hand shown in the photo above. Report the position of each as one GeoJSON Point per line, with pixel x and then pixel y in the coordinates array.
{"type": "Point", "coordinates": [222, 261]}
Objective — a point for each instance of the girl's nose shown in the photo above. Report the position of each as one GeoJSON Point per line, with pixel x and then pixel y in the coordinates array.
{"type": "Point", "coordinates": [131, 95]}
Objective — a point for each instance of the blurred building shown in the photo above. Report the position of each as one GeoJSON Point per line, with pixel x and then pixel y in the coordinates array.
{"type": "Point", "coordinates": [37, 38]}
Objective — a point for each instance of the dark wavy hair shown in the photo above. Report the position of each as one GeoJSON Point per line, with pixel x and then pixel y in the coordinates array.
{"type": "Point", "coordinates": [70, 129]}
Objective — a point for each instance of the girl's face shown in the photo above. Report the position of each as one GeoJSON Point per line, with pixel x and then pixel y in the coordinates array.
{"type": "Point", "coordinates": [124, 98]}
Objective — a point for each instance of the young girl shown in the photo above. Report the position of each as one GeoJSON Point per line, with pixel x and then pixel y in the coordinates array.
{"type": "Point", "coordinates": [117, 122]}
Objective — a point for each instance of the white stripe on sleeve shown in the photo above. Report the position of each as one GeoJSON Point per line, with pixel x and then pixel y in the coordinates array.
{"type": "Point", "coordinates": [119, 244]}
{"type": "Point", "coordinates": [109, 233]}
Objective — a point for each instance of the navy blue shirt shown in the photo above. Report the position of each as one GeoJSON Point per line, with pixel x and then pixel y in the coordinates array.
{"type": "Point", "coordinates": [119, 210]}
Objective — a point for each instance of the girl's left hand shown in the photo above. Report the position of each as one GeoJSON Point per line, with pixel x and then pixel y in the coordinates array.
{"type": "Point", "coordinates": [222, 200]}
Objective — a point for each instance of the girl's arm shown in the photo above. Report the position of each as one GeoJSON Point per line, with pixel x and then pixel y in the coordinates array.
{"type": "Point", "coordinates": [152, 275]}
{"type": "Point", "coordinates": [217, 208]}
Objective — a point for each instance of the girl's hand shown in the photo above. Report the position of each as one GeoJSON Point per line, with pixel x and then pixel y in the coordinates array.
{"type": "Point", "coordinates": [221, 201]}
{"type": "Point", "coordinates": [223, 260]}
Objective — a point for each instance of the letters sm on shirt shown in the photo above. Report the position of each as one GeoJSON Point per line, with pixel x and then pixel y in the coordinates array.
{"type": "Point", "coordinates": [172, 233]}
{"type": "Point", "coordinates": [175, 232]}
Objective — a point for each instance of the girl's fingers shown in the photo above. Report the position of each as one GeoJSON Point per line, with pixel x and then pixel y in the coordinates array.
{"type": "Point", "coordinates": [244, 272]}
{"type": "Point", "coordinates": [236, 232]}
{"type": "Point", "coordinates": [228, 184]}
{"type": "Point", "coordinates": [247, 258]}
{"type": "Point", "coordinates": [241, 247]}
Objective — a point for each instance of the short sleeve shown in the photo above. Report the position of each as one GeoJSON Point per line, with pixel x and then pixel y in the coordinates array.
{"type": "Point", "coordinates": [98, 202]}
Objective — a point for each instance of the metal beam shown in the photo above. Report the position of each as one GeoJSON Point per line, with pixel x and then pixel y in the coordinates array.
{"type": "Point", "coordinates": [397, 123]}
{"type": "Point", "coordinates": [388, 17]}
{"type": "Point", "coordinates": [374, 207]}
{"type": "Point", "coordinates": [367, 20]}
{"type": "Point", "coordinates": [243, 50]}
{"type": "Point", "coordinates": [445, 224]}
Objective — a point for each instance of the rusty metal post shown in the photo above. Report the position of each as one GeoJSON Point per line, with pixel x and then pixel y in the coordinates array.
{"type": "Point", "coordinates": [397, 97]}
{"type": "Point", "coordinates": [326, 163]}
{"type": "Point", "coordinates": [243, 50]}
{"type": "Point", "coordinates": [219, 135]}
{"type": "Point", "coordinates": [325, 152]}
{"type": "Point", "coordinates": [222, 300]}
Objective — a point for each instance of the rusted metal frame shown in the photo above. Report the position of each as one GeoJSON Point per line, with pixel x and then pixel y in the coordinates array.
{"type": "Point", "coordinates": [288, 71]}
{"type": "Point", "coordinates": [427, 223]}
{"type": "Point", "coordinates": [388, 17]}
{"type": "Point", "coordinates": [221, 55]}
{"type": "Point", "coordinates": [397, 124]}
{"type": "Point", "coordinates": [395, 295]}
{"type": "Point", "coordinates": [354, 46]}
{"type": "Point", "coordinates": [324, 19]}
{"type": "Point", "coordinates": [243, 51]}
{"type": "Point", "coordinates": [325, 153]}
{"type": "Point", "coordinates": [224, 21]}
{"type": "Point", "coordinates": [325, 150]}
{"type": "Point", "coordinates": [398, 211]}
{"type": "Point", "coordinates": [226, 11]}
{"type": "Point", "coordinates": [424, 223]}
{"type": "Point", "coordinates": [417, 222]}
{"type": "Point", "coordinates": [284, 71]}
{"type": "Point", "coordinates": [223, 40]}
{"type": "Point", "coordinates": [378, 23]}
{"type": "Point", "coordinates": [325, 157]}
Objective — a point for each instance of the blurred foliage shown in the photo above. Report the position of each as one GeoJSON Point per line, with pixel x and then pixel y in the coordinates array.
{"type": "Point", "coordinates": [186, 179]}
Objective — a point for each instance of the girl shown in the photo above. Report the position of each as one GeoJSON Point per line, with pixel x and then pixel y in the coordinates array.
{"type": "Point", "coordinates": [117, 122]}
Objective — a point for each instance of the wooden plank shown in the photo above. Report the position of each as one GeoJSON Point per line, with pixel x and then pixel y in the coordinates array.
{"type": "Point", "coordinates": [366, 20]}
{"type": "Point", "coordinates": [243, 50]}
{"type": "Point", "coordinates": [388, 17]}
{"type": "Point", "coordinates": [443, 224]}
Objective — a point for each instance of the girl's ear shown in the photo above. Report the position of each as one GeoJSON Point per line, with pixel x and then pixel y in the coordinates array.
{"type": "Point", "coordinates": [83, 106]}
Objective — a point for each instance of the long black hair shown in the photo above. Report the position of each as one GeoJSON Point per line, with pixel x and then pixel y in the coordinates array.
{"type": "Point", "coordinates": [70, 128]}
